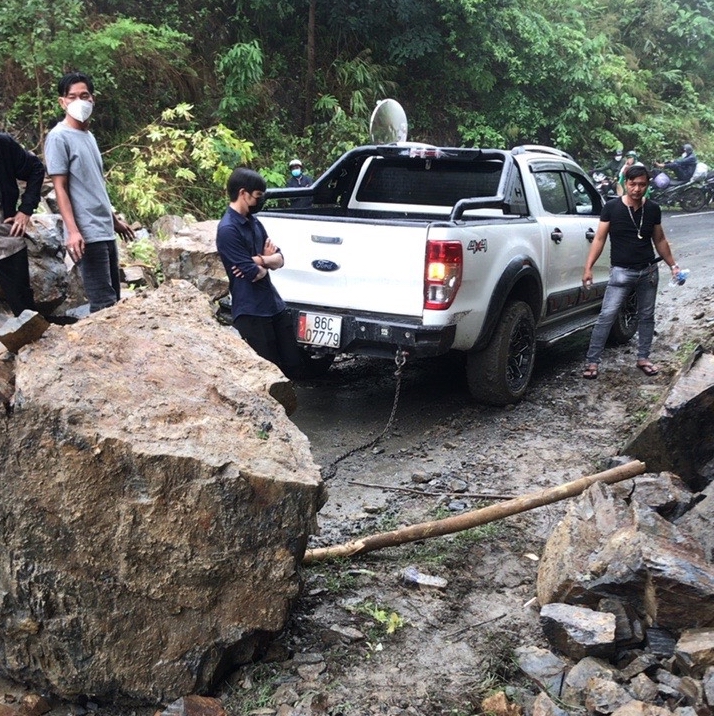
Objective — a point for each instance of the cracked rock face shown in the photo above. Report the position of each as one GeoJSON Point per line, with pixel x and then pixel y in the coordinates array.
{"type": "Point", "coordinates": [155, 502]}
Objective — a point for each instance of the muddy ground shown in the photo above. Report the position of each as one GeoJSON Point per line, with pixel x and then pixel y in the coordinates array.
{"type": "Point", "coordinates": [424, 650]}
{"type": "Point", "coordinates": [429, 650]}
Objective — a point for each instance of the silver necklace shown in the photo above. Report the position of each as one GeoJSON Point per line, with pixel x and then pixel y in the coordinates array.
{"type": "Point", "coordinates": [642, 216]}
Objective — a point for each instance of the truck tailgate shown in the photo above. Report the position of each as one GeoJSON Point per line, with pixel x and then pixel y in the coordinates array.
{"type": "Point", "coordinates": [347, 266]}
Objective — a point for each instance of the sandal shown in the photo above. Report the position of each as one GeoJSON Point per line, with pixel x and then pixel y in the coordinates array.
{"type": "Point", "coordinates": [648, 368]}
{"type": "Point", "coordinates": [591, 372]}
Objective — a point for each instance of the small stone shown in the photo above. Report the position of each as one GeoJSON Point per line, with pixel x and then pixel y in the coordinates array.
{"type": "Point", "coordinates": [578, 631]}
{"type": "Point", "coordinates": [194, 706]}
{"type": "Point", "coordinates": [694, 651]}
{"type": "Point", "coordinates": [545, 706]}
{"type": "Point", "coordinates": [545, 668]}
{"type": "Point", "coordinates": [638, 665]}
{"type": "Point", "coordinates": [349, 633]}
{"type": "Point", "coordinates": [372, 509]}
{"type": "Point", "coordinates": [605, 696]}
{"type": "Point", "coordinates": [307, 657]}
{"type": "Point", "coordinates": [644, 688]}
{"type": "Point", "coordinates": [708, 684]}
{"type": "Point", "coordinates": [498, 705]}
{"type": "Point", "coordinates": [311, 672]}
{"type": "Point", "coordinates": [18, 331]}
{"type": "Point", "coordinates": [420, 477]}
{"type": "Point", "coordinates": [34, 705]}
{"type": "Point", "coordinates": [660, 642]}
{"type": "Point", "coordinates": [456, 506]}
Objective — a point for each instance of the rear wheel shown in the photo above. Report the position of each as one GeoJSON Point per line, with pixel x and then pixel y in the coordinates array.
{"type": "Point", "coordinates": [625, 326]}
{"type": "Point", "coordinates": [693, 199]}
{"type": "Point", "coordinates": [500, 374]}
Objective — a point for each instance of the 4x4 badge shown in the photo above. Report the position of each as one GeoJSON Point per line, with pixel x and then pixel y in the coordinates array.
{"type": "Point", "coordinates": [476, 246]}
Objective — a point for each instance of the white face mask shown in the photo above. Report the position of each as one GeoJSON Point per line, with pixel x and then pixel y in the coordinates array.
{"type": "Point", "coordinates": [80, 109]}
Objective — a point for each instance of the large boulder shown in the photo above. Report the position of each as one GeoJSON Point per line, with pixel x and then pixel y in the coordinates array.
{"type": "Point", "coordinates": [155, 503]}
{"type": "Point", "coordinates": [679, 434]}
{"type": "Point", "coordinates": [612, 545]}
{"type": "Point", "coordinates": [189, 253]}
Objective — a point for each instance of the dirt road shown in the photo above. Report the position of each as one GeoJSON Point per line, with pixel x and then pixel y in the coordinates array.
{"type": "Point", "coordinates": [448, 647]}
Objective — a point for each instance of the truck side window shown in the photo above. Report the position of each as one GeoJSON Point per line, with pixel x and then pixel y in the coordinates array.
{"type": "Point", "coordinates": [552, 192]}
{"type": "Point", "coordinates": [581, 195]}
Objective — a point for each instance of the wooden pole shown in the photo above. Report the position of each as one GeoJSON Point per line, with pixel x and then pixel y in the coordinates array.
{"type": "Point", "coordinates": [458, 523]}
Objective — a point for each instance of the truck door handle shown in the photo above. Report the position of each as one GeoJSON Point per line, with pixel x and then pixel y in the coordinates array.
{"type": "Point", "coordinates": [556, 235]}
{"type": "Point", "coordinates": [590, 235]}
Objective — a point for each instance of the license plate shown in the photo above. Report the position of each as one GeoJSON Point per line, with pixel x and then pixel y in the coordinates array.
{"type": "Point", "coordinates": [317, 329]}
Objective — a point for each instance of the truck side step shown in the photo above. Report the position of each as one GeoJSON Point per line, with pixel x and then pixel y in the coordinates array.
{"type": "Point", "coordinates": [552, 333]}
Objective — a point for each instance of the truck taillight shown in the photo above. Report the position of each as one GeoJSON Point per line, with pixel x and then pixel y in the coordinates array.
{"type": "Point", "coordinates": [442, 273]}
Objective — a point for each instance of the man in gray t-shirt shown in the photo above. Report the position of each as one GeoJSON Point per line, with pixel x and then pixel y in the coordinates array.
{"type": "Point", "coordinates": [75, 166]}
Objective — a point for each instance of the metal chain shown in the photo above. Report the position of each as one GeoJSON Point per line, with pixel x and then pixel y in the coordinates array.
{"type": "Point", "coordinates": [330, 470]}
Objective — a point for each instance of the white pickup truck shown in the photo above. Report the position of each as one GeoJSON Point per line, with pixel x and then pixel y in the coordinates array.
{"type": "Point", "coordinates": [412, 250]}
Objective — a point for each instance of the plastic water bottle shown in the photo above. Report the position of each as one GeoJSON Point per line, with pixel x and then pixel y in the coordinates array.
{"type": "Point", "coordinates": [680, 277]}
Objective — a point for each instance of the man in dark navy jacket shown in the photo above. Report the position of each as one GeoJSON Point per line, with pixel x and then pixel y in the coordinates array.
{"type": "Point", "coordinates": [248, 255]}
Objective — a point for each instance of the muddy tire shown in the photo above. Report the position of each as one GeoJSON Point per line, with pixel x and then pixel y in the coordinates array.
{"type": "Point", "coordinates": [694, 199]}
{"type": "Point", "coordinates": [625, 326]}
{"type": "Point", "coordinates": [500, 374]}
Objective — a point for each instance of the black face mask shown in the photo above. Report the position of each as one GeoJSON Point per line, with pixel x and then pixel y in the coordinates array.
{"type": "Point", "coordinates": [259, 204]}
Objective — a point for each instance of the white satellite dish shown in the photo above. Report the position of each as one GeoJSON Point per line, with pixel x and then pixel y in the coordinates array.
{"type": "Point", "coordinates": [388, 123]}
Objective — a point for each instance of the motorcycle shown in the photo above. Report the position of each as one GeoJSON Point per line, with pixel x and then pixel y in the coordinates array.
{"type": "Point", "coordinates": [607, 187]}
{"type": "Point", "coordinates": [690, 195]}
{"type": "Point", "coordinates": [708, 189]}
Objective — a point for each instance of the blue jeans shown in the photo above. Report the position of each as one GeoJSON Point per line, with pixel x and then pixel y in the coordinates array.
{"type": "Point", "coordinates": [622, 282]}
{"type": "Point", "coordinates": [100, 274]}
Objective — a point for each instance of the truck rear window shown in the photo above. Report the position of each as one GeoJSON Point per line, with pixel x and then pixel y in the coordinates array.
{"type": "Point", "coordinates": [428, 182]}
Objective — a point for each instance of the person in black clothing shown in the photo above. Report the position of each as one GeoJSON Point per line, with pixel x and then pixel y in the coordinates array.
{"type": "Point", "coordinates": [634, 224]}
{"type": "Point", "coordinates": [16, 163]}
{"type": "Point", "coordinates": [248, 256]}
{"type": "Point", "coordinates": [299, 179]}
{"type": "Point", "coordinates": [612, 168]}
{"type": "Point", "coordinates": [684, 166]}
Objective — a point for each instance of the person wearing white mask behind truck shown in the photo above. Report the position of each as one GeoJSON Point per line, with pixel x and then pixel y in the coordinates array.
{"type": "Point", "coordinates": [75, 166]}
{"type": "Point", "coordinates": [299, 179]}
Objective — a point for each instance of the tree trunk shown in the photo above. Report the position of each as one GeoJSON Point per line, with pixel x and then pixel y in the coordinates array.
{"type": "Point", "coordinates": [437, 528]}
{"type": "Point", "coordinates": [310, 70]}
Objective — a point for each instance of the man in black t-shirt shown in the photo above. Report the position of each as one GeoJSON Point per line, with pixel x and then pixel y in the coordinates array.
{"type": "Point", "coordinates": [635, 228]}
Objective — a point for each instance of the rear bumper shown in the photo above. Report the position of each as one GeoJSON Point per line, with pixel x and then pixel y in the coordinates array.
{"type": "Point", "coordinates": [381, 335]}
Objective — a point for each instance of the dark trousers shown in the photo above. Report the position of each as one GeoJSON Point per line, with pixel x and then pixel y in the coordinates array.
{"type": "Point", "coordinates": [15, 282]}
{"type": "Point", "coordinates": [100, 274]}
{"type": "Point", "coordinates": [272, 338]}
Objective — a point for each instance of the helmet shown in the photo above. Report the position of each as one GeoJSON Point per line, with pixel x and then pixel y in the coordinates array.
{"type": "Point", "coordinates": [294, 163]}
{"type": "Point", "coordinates": [688, 149]}
{"type": "Point", "coordinates": [632, 153]}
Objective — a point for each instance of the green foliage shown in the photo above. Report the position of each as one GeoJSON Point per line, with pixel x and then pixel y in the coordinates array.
{"type": "Point", "coordinates": [133, 65]}
{"type": "Point", "coordinates": [240, 68]}
{"type": "Point", "coordinates": [143, 251]}
{"type": "Point", "coordinates": [386, 620]}
{"type": "Point", "coordinates": [580, 74]}
{"type": "Point", "coordinates": [171, 166]}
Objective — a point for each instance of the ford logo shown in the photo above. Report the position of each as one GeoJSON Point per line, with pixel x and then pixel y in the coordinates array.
{"type": "Point", "coordinates": [324, 265]}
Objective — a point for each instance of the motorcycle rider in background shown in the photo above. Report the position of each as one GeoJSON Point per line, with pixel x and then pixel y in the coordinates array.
{"type": "Point", "coordinates": [683, 166]}
{"type": "Point", "coordinates": [630, 159]}
{"type": "Point", "coordinates": [612, 168]}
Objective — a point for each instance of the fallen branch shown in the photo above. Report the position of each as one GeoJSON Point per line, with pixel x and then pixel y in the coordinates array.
{"type": "Point", "coordinates": [458, 523]}
{"type": "Point", "coordinates": [428, 493]}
